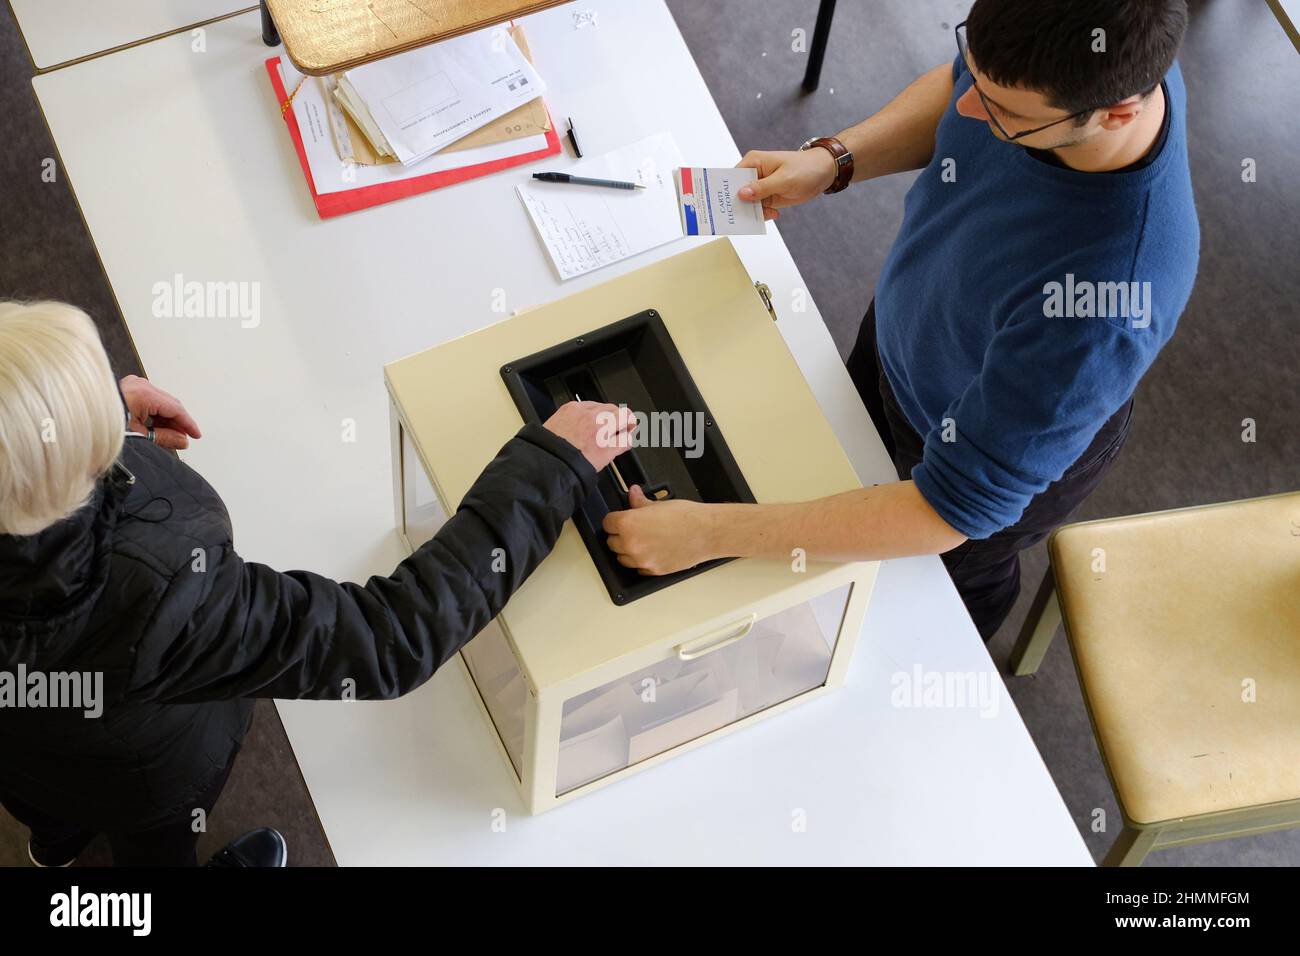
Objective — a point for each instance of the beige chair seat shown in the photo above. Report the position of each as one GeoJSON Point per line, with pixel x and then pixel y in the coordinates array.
{"type": "Point", "coordinates": [1196, 612]}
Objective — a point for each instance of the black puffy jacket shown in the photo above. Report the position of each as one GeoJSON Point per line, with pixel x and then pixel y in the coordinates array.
{"type": "Point", "coordinates": [143, 584]}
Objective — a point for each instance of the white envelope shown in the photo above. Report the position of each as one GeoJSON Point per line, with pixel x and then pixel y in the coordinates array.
{"type": "Point", "coordinates": [591, 755]}
{"type": "Point", "coordinates": [427, 98]}
{"type": "Point", "coordinates": [707, 716]}
{"type": "Point", "coordinates": [614, 701]}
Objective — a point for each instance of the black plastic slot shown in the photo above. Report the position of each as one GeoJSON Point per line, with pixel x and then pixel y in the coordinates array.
{"type": "Point", "coordinates": [581, 384]}
{"type": "Point", "coordinates": [633, 362]}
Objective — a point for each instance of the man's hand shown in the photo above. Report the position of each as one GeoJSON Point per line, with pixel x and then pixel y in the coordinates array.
{"type": "Point", "coordinates": [601, 432]}
{"type": "Point", "coordinates": [787, 178]}
{"type": "Point", "coordinates": [152, 408]}
{"type": "Point", "coordinates": [658, 537]}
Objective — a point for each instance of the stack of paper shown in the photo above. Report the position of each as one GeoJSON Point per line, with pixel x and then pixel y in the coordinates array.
{"type": "Point", "coordinates": [588, 227]}
{"type": "Point", "coordinates": [346, 171]}
{"type": "Point", "coordinates": [414, 104]}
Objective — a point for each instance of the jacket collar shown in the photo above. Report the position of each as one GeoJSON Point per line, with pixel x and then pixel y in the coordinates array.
{"type": "Point", "coordinates": [50, 578]}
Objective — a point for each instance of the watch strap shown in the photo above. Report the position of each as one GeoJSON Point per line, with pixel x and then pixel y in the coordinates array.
{"type": "Point", "coordinates": [843, 161]}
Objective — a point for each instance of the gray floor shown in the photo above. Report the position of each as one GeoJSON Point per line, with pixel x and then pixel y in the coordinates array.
{"type": "Point", "coordinates": [1235, 355]}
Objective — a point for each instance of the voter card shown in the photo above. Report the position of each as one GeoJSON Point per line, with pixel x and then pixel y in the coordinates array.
{"type": "Point", "coordinates": [709, 205]}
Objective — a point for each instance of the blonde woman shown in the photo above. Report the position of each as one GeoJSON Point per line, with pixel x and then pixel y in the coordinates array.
{"type": "Point", "coordinates": [145, 659]}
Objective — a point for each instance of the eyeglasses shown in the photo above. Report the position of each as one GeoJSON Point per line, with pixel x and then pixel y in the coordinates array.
{"type": "Point", "coordinates": [959, 31]}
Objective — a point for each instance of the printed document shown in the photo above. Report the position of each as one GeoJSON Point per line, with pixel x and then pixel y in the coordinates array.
{"type": "Point", "coordinates": [589, 227]}
{"type": "Point", "coordinates": [426, 98]}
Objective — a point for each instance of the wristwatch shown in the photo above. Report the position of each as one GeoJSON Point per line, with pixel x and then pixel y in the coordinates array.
{"type": "Point", "coordinates": [843, 161]}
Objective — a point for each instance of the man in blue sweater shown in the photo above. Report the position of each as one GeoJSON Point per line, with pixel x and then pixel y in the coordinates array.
{"type": "Point", "coordinates": [1046, 252]}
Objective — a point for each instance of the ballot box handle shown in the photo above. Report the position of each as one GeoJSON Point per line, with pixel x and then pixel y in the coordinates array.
{"type": "Point", "coordinates": [717, 639]}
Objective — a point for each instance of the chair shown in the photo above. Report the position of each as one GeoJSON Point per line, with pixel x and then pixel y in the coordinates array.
{"type": "Point", "coordinates": [1184, 626]}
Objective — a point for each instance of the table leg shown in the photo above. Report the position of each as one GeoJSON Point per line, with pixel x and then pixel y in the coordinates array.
{"type": "Point", "coordinates": [270, 35]}
{"type": "Point", "coordinates": [821, 33]}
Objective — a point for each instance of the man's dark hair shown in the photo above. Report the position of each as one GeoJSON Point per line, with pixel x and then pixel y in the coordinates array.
{"type": "Point", "coordinates": [1051, 47]}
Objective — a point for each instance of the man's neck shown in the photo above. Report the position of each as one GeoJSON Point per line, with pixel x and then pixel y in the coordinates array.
{"type": "Point", "coordinates": [1107, 153]}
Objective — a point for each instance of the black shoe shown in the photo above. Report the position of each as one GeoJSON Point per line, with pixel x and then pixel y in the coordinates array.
{"type": "Point", "coordinates": [260, 847]}
{"type": "Point", "coordinates": [61, 853]}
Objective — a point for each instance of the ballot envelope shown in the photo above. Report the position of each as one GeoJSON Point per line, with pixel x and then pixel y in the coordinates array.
{"type": "Point", "coordinates": [594, 672]}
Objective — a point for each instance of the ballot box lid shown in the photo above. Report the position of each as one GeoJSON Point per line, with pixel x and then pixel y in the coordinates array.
{"type": "Point", "coordinates": [458, 413]}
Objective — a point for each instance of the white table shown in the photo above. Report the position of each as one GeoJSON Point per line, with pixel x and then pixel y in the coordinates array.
{"type": "Point", "coordinates": [197, 177]}
{"type": "Point", "coordinates": [57, 31]}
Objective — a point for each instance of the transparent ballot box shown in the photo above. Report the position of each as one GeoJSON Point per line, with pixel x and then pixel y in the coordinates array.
{"type": "Point", "coordinates": [670, 703]}
{"type": "Point", "coordinates": [492, 667]}
{"type": "Point", "coordinates": [590, 675]}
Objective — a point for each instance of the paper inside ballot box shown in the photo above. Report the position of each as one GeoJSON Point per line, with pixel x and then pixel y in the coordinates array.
{"type": "Point", "coordinates": [672, 702]}
{"type": "Point", "coordinates": [621, 727]}
{"type": "Point", "coordinates": [706, 716]}
{"type": "Point", "coordinates": [531, 119]}
{"type": "Point", "coordinates": [651, 714]}
{"type": "Point", "coordinates": [599, 751]}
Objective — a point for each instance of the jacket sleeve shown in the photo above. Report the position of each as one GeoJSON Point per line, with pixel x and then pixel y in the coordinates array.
{"type": "Point", "coordinates": [256, 632]}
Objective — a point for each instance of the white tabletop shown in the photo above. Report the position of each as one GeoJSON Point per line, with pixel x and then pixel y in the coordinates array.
{"type": "Point", "coordinates": [197, 177]}
{"type": "Point", "coordinates": [57, 31]}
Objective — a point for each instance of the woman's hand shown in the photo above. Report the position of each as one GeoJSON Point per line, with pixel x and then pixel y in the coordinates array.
{"type": "Point", "coordinates": [601, 432]}
{"type": "Point", "coordinates": [152, 408]}
{"type": "Point", "coordinates": [787, 178]}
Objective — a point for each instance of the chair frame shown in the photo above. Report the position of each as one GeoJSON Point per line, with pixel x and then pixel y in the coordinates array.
{"type": "Point", "coordinates": [1136, 840]}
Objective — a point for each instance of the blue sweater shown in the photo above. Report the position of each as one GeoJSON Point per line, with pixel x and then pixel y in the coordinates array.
{"type": "Point", "coordinates": [1022, 302]}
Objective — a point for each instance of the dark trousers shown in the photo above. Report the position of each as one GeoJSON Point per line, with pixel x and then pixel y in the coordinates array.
{"type": "Point", "coordinates": [986, 571]}
{"type": "Point", "coordinates": [169, 844]}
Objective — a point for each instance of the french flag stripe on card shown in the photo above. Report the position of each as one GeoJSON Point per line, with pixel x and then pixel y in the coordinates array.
{"type": "Point", "coordinates": [708, 203]}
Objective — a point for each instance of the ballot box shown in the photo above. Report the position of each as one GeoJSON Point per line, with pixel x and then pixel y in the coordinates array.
{"type": "Point", "coordinates": [594, 672]}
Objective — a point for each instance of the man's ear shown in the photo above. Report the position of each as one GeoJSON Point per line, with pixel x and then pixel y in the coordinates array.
{"type": "Point", "coordinates": [1121, 114]}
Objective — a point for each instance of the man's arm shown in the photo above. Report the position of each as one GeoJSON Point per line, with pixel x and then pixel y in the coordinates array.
{"type": "Point", "coordinates": [901, 136]}
{"type": "Point", "coordinates": [898, 138]}
{"type": "Point", "coordinates": [868, 524]}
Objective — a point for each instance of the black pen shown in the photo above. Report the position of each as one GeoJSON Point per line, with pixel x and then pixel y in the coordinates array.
{"type": "Point", "coordinates": [585, 181]}
{"type": "Point", "coordinates": [573, 139]}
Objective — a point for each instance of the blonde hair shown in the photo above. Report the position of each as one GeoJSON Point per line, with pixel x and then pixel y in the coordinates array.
{"type": "Point", "coordinates": [61, 416]}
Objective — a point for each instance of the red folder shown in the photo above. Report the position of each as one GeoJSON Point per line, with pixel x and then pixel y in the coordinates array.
{"type": "Point", "coordinates": [363, 197]}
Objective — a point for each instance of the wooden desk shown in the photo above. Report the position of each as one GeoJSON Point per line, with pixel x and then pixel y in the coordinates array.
{"type": "Point", "coordinates": [324, 39]}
